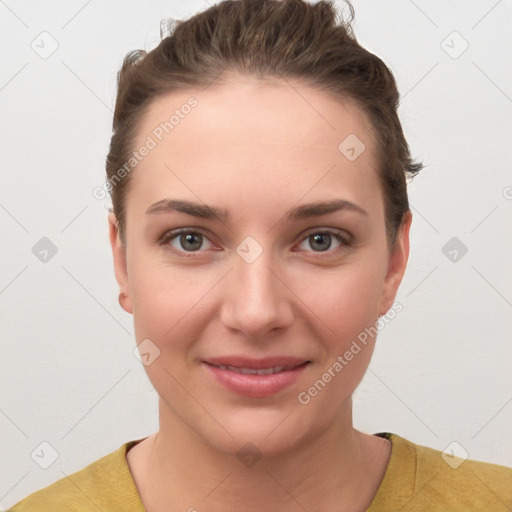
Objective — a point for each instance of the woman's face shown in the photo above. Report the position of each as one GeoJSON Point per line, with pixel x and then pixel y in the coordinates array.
{"type": "Point", "coordinates": [271, 284]}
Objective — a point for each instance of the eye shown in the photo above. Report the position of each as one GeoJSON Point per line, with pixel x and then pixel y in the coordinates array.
{"type": "Point", "coordinates": [187, 240]}
{"type": "Point", "coordinates": [184, 240]}
{"type": "Point", "coordinates": [321, 241]}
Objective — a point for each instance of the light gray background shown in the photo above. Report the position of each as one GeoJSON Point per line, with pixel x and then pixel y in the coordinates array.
{"type": "Point", "coordinates": [441, 369]}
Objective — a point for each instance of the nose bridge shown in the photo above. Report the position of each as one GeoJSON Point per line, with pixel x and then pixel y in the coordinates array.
{"type": "Point", "coordinates": [255, 278]}
{"type": "Point", "coordinates": [256, 300]}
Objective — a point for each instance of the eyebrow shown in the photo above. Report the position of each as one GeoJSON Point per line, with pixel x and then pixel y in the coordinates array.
{"type": "Point", "coordinates": [209, 212]}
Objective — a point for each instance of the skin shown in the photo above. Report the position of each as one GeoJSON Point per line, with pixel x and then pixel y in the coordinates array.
{"type": "Point", "coordinates": [257, 148]}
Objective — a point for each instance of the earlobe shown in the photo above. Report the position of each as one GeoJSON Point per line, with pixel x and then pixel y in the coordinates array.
{"type": "Point", "coordinates": [120, 266]}
{"type": "Point", "coordinates": [397, 265]}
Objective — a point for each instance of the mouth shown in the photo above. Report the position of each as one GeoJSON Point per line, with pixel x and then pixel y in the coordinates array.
{"type": "Point", "coordinates": [256, 378]}
{"type": "Point", "coordinates": [251, 371]}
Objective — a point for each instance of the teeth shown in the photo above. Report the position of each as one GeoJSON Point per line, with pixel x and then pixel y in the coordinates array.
{"type": "Point", "coordinates": [251, 371]}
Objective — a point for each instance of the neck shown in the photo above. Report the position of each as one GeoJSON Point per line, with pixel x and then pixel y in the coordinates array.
{"type": "Point", "coordinates": [334, 466]}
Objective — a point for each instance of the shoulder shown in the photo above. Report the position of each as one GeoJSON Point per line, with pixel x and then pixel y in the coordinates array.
{"type": "Point", "coordinates": [481, 485]}
{"type": "Point", "coordinates": [434, 480]}
{"type": "Point", "coordinates": [106, 484]}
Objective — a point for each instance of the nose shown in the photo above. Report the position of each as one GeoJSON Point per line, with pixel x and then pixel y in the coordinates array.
{"type": "Point", "coordinates": [256, 301]}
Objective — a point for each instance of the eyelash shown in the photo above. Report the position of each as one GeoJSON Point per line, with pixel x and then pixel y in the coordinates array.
{"type": "Point", "coordinates": [345, 240]}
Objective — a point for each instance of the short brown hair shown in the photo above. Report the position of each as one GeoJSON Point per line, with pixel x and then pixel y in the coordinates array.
{"type": "Point", "coordinates": [265, 38]}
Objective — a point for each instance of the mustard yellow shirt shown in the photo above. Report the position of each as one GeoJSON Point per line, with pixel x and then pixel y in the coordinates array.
{"type": "Point", "coordinates": [417, 479]}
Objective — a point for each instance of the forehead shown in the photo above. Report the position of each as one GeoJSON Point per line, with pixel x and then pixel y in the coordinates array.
{"type": "Point", "coordinates": [260, 105]}
{"type": "Point", "coordinates": [259, 135]}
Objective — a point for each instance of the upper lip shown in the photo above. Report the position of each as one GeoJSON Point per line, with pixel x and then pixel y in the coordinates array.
{"type": "Point", "coordinates": [257, 364]}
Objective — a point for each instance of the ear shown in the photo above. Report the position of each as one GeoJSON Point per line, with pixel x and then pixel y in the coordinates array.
{"type": "Point", "coordinates": [397, 264]}
{"type": "Point", "coordinates": [120, 267]}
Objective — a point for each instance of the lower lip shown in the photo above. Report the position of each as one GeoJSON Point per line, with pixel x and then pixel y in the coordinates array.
{"type": "Point", "coordinates": [256, 386]}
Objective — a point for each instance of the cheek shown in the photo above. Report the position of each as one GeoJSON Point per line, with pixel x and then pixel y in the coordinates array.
{"type": "Point", "coordinates": [346, 299]}
{"type": "Point", "coordinates": [164, 298]}
{"type": "Point", "coordinates": [348, 305]}
{"type": "Point", "coordinates": [172, 307]}
{"type": "Point", "coordinates": [166, 308]}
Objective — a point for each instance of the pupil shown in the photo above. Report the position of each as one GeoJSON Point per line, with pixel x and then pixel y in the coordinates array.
{"type": "Point", "coordinates": [321, 238]}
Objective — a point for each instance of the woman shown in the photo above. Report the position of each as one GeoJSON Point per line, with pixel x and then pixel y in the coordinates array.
{"type": "Point", "coordinates": [260, 230]}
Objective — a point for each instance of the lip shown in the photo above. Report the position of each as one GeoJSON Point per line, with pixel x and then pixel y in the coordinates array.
{"type": "Point", "coordinates": [254, 363]}
{"type": "Point", "coordinates": [256, 385]}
